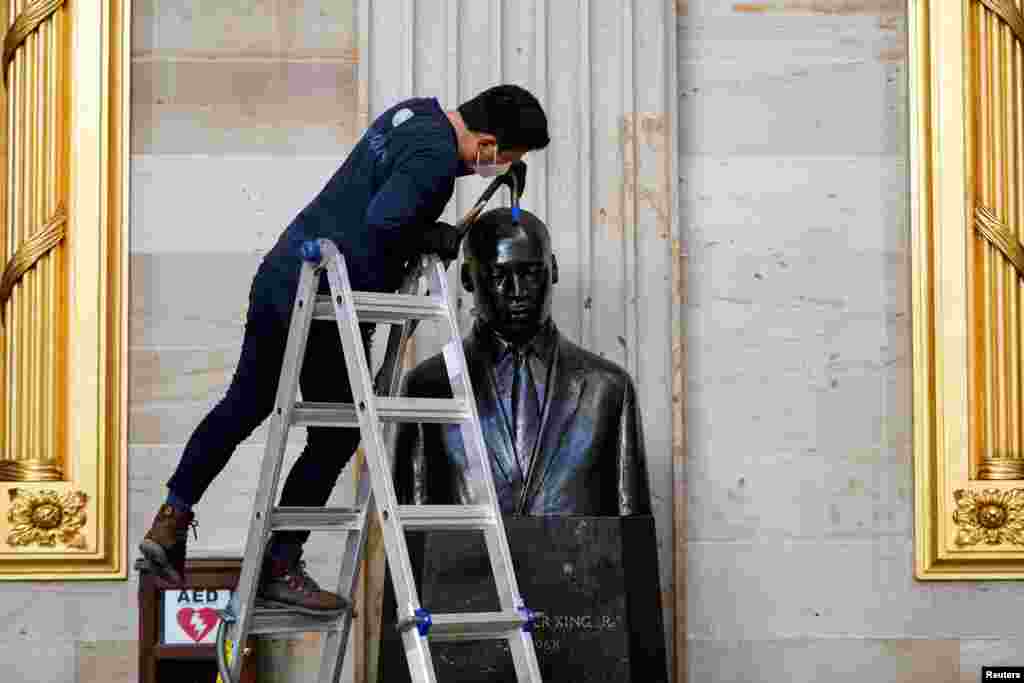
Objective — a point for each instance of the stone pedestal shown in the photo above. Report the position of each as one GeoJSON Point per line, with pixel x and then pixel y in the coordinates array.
{"type": "Point", "coordinates": [595, 579]}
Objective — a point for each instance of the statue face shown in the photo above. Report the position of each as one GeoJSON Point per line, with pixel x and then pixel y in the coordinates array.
{"type": "Point", "coordinates": [511, 284]}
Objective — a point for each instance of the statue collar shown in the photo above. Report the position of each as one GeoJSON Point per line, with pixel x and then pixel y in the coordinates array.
{"type": "Point", "coordinates": [541, 345]}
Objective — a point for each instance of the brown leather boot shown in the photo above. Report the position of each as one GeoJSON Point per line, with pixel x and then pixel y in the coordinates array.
{"type": "Point", "coordinates": [287, 585]}
{"type": "Point", "coordinates": [164, 544]}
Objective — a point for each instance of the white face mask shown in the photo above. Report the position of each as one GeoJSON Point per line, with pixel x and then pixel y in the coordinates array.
{"type": "Point", "coordinates": [492, 169]}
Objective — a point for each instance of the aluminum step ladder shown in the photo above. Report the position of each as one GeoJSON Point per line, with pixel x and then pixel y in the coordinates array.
{"type": "Point", "coordinates": [370, 412]}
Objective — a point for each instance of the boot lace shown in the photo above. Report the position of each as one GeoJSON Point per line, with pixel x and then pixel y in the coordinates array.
{"type": "Point", "coordinates": [300, 580]}
{"type": "Point", "coordinates": [181, 533]}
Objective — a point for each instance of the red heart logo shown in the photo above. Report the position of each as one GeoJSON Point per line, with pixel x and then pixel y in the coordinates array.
{"type": "Point", "coordinates": [197, 622]}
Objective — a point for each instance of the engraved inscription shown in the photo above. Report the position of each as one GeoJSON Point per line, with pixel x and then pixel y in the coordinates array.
{"type": "Point", "coordinates": [547, 645]}
{"type": "Point", "coordinates": [549, 627]}
{"type": "Point", "coordinates": [577, 622]}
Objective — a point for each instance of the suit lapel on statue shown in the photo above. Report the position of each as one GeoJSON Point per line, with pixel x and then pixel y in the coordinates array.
{"type": "Point", "coordinates": [496, 435]}
{"type": "Point", "coordinates": [562, 401]}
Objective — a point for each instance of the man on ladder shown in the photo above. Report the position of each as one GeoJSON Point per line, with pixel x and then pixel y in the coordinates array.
{"type": "Point", "coordinates": [381, 209]}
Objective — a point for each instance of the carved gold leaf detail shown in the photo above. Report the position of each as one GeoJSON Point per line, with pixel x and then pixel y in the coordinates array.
{"type": "Point", "coordinates": [1008, 12]}
{"type": "Point", "coordinates": [990, 516]}
{"type": "Point", "coordinates": [30, 19]}
{"type": "Point", "coordinates": [1000, 236]}
{"type": "Point", "coordinates": [45, 518]}
{"type": "Point", "coordinates": [29, 253]}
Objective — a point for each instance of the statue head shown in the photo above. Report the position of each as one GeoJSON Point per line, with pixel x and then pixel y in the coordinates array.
{"type": "Point", "coordinates": [510, 270]}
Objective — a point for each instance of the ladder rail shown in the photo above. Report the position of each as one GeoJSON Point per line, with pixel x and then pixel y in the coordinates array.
{"type": "Point", "coordinates": [335, 644]}
{"type": "Point", "coordinates": [482, 483]}
{"type": "Point", "coordinates": [524, 656]}
{"type": "Point", "coordinates": [417, 648]}
{"type": "Point", "coordinates": [273, 458]}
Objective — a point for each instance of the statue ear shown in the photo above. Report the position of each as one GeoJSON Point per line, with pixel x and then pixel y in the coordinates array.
{"type": "Point", "coordinates": [554, 270]}
{"type": "Point", "coordinates": [467, 277]}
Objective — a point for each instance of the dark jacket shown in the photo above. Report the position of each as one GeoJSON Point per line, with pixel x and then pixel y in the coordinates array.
{"type": "Point", "coordinates": [396, 181]}
{"type": "Point", "coordinates": [590, 460]}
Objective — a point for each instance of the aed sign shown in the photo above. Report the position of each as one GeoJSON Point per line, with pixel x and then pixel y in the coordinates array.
{"type": "Point", "coordinates": [190, 615]}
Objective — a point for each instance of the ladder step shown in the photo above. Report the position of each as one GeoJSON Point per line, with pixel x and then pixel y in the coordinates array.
{"type": "Point", "coordinates": [445, 627]}
{"type": "Point", "coordinates": [475, 625]}
{"type": "Point", "coordinates": [273, 620]}
{"type": "Point", "coordinates": [444, 410]}
{"type": "Point", "coordinates": [394, 309]}
{"type": "Point", "coordinates": [301, 518]}
{"type": "Point", "coordinates": [440, 517]}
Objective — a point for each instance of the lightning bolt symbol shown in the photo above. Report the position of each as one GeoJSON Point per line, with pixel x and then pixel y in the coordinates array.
{"type": "Point", "coordinates": [197, 622]}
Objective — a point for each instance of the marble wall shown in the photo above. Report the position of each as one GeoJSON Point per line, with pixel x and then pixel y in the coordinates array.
{"type": "Point", "coordinates": [794, 206]}
{"type": "Point", "coordinates": [793, 212]}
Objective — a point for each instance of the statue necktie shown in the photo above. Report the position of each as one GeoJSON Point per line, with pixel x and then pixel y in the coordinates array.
{"type": "Point", "coordinates": [525, 410]}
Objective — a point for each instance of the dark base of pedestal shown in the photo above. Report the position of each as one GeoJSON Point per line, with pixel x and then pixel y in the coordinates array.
{"type": "Point", "coordinates": [188, 672]}
{"type": "Point", "coordinates": [595, 579]}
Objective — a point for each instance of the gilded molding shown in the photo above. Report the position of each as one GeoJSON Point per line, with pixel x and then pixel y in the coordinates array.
{"type": "Point", "coordinates": [1001, 469]}
{"type": "Point", "coordinates": [29, 253]}
{"type": "Point", "coordinates": [30, 470]}
{"type": "Point", "coordinates": [45, 517]}
{"type": "Point", "coordinates": [968, 345]}
{"type": "Point", "coordinates": [989, 516]}
{"type": "Point", "coordinates": [73, 315]}
{"type": "Point", "coordinates": [28, 21]}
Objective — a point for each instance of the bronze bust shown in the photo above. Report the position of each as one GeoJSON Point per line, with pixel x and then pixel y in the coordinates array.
{"type": "Point", "coordinates": [561, 424]}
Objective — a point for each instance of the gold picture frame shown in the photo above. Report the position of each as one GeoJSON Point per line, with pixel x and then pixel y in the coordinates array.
{"type": "Point", "coordinates": [63, 515]}
{"type": "Point", "coordinates": [967, 164]}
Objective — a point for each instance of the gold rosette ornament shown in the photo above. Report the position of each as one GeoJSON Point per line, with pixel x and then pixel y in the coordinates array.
{"type": "Point", "coordinates": [46, 517]}
{"type": "Point", "coordinates": [991, 516]}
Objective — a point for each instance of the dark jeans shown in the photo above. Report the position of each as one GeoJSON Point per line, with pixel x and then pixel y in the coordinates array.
{"type": "Point", "coordinates": [250, 399]}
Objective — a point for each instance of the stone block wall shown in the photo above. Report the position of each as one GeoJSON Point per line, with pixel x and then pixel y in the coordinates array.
{"type": "Point", "coordinates": [793, 186]}
{"type": "Point", "coordinates": [795, 207]}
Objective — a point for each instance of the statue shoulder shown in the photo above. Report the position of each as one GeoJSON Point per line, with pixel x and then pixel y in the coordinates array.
{"type": "Point", "coordinates": [597, 367]}
{"type": "Point", "coordinates": [425, 379]}
{"type": "Point", "coordinates": [429, 378]}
